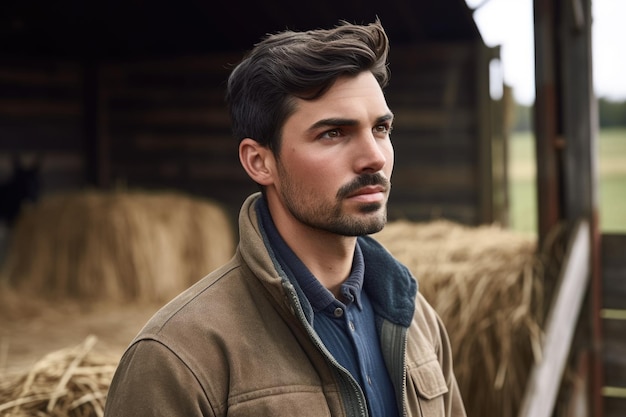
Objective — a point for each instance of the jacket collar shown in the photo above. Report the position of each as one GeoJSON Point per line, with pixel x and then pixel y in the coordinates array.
{"type": "Point", "coordinates": [389, 284]}
{"type": "Point", "coordinates": [317, 295]}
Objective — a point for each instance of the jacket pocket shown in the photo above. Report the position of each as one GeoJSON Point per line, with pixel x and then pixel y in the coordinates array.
{"type": "Point", "coordinates": [282, 401]}
{"type": "Point", "coordinates": [426, 387]}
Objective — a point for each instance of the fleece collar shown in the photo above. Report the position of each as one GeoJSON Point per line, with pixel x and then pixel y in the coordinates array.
{"type": "Point", "coordinates": [388, 283]}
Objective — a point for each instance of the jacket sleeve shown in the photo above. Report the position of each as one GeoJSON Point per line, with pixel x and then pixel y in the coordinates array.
{"type": "Point", "coordinates": [151, 380]}
{"type": "Point", "coordinates": [454, 402]}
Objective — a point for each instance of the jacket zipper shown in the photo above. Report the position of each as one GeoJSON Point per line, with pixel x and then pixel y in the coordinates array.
{"type": "Point", "coordinates": [395, 354]}
{"type": "Point", "coordinates": [295, 301]}
{"type": "Point", "coordinates": [404, 396]}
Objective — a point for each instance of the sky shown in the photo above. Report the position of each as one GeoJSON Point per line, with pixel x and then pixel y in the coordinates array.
{"type": "Point", "coordinates": [509, 23]}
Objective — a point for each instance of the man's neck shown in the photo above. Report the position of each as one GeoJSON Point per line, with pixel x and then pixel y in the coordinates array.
{"type": "Point", "coordinates": [327, 255]}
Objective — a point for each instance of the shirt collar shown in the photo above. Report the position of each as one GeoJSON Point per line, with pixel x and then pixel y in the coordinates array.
{"type": "Point", "coordinates": [318, 296]}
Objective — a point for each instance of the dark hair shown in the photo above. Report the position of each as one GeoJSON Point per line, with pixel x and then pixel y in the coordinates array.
{"type": "Point", "coordinates": [305, 65]}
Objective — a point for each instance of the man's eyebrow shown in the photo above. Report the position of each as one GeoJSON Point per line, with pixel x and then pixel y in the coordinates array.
{"type": "Point", "coordinates": [333, 122]}
{"type": "Point", "coordinates": [385, 118]}
{"type": "Point", "coordinates": [337, 121]}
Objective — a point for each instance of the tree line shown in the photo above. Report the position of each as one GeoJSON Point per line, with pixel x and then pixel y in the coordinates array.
{"type": "Point", "coordinates": [611, 114]}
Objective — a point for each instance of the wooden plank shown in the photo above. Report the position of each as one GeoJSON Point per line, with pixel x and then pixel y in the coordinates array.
{"type": "Point", "coordinates": [613, 271]}
{"type": "Point", "coordinates": [614, 289]}
{"type": "Point", "coordinates": [56, 135]}
{"type": "Point", "coordinates": [41, 73]}
{"type": "Point", "coordinates": [139, 173]}
{"type": "Point", "coordinates": [484, 133]}
{"type": "Point", "coordinates": [14, 91]}
{"type": "Point", "coordinates": [545, 378]}
{"type": "Point", "coordinates": [131, 156]}
{"type": "Point", "coordinates": [614, 407]}
{"type": "Point", "coordinates": [173, 115]}
{"type": "Point", "coordinates": [435, 195]}
{"type": "Point", "coordinates": [147, 142]}
{"type": "Point", "coordinates": [213, 63]}
{"type": "Point", "coordinates": [408, 118]}
{"type": "Point", "coordinates": [613, 249]}
{"type": "Point", "coordinates": [614, 352]}
{"type": "Point", "coordinates": [614, 361]}
{"type": "Point", "coordinates": [39, 108]}
{"type": "Point", "coordinates": [416, 56]}
{"type": "Point", "coordinates": [423, 140]}
{"type": "Point", "coordinates": [130, 95]}
{"type": "Point", "coordinates": [546, 118]}
{"type": "Point", "coordinates": [40, 112]}
{"type": "Point", "coordinates": [418, 176]}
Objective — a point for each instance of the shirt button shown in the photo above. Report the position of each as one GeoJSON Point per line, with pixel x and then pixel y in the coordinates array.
{"type": "Point", "coordinates": [369, 380]}
{"type": "Point", "coordinates": [352, 326]}
{"type": "Point", "coordinates": [338, 312]}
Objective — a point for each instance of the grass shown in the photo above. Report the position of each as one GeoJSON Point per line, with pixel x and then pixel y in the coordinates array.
{"type": "Point", "coordinates": [611, 181]}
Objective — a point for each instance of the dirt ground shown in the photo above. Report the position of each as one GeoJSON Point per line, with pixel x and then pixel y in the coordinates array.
{"type": "Point", "coordinates": [30, 331]}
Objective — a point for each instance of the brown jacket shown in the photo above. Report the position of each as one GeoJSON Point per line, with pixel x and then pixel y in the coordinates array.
{"type": "Point", "coordinates": [238, 344]}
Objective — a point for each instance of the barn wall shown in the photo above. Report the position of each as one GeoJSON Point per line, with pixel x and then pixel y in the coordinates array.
{"type": "Point", "coordinates": [41, 120]}
{"type": "Point", "coordinates": [162, 124]}
{"type": "Point", "coordinates": [443, 134]}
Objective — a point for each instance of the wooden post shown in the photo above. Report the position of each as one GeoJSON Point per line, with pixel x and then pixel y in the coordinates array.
{"type": "Point", "coordinates": [547, 119]}
{"type": "Point", "coordinates": [580, 131]}
{"type": "Point", "coordinates": [566, 132]}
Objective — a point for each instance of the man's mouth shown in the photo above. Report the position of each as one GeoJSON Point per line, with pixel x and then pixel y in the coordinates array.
{"type": "Point", "coordinates": [368, 194]}
{"type": "Point", "coordinates": [368, 187]}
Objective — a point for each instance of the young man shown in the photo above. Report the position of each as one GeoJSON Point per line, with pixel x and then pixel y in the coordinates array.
{"type": "Point", "coordinates": [311, 317]}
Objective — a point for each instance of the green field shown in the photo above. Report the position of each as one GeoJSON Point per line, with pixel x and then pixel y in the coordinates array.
{"type": "Point", "coordinates": [611, 181]}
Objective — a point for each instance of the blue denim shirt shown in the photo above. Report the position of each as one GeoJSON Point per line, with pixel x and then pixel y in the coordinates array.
{"type": "Point", "coordinates": [347, 328]}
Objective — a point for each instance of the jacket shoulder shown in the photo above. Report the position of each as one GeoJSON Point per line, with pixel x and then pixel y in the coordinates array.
{"type": "Point", "coordinates": [427, 331]}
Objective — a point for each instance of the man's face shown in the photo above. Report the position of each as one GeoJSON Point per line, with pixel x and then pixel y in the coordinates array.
{"type": "Point", "coordinates": [336, 159]}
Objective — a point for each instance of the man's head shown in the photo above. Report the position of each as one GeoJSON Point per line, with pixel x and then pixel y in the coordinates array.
{"type": "Point", "coordinates": [300, 65]}
{"type": "Point", "coordinates": [314, 128]}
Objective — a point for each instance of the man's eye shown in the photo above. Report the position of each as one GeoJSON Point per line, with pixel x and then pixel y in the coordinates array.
{"type": "Point", "coordinates": [334, 133]}
{"type": "Point", "coordinates": [384, 129]}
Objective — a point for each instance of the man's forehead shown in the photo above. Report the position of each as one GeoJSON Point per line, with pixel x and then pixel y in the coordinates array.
{"type": "Point", "coordinates": [347, 99]}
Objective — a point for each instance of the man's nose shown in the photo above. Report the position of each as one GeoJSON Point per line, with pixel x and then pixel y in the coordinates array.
{"type": "Point", "coordinates": [371, 153]}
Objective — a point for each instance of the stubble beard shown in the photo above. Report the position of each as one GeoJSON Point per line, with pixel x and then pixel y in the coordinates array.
{"type": "Point", "coordinates": [330, 216]}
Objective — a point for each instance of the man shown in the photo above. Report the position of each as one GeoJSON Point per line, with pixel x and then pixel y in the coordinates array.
{"type": "Point", "coordinates": [311, 317]}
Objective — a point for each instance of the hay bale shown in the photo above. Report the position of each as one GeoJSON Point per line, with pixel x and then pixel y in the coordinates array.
{"type": "Point", "coordinates": [71, 382]}
{"type": "Point", "coordinates": [119, 245]}
{"type": "Point", "coordinates": [486, 285]}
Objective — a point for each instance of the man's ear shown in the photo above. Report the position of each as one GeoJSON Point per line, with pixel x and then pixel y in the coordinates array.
{"type": "Point", "coordinates": [257, 160]}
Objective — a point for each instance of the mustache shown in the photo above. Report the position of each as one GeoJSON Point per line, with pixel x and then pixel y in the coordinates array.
{"type": "Point", "coordinates": [363, 181]}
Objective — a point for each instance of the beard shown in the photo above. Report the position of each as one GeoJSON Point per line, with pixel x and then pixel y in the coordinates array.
{"type": "Point", "coordinates": [330, 215]}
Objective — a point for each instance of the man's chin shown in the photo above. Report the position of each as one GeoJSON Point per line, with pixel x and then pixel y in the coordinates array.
{"type": "Point", "coordinates": [373, 224]}
{"type": "Point", "coordinates": [370, 208]}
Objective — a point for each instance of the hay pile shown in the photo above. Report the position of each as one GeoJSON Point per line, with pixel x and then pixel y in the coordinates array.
{"type": "Point", "coordinates": [486, 285]}
{"type": "Point", "coordinates": [71, 382]}
{"type": "Point", "coordinates": [118, 245]}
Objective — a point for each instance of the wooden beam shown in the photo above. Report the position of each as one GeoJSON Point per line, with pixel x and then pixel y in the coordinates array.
{"type": "Point", "coordinates": [545, 378]}
{"type": "Point", "coordinates": [548, 142]}
{"type": "Point", "coordinates": [579, 157]}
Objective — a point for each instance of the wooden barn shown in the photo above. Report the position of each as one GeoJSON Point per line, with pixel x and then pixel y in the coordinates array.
{"type": "Point", "coordinates": [122, 94]}
{"type": "Point", "coordinates": [130, 95]}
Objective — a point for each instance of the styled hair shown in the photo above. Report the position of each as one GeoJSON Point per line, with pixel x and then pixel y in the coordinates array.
{"type": "Point", "coordinates": [287, 65]}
